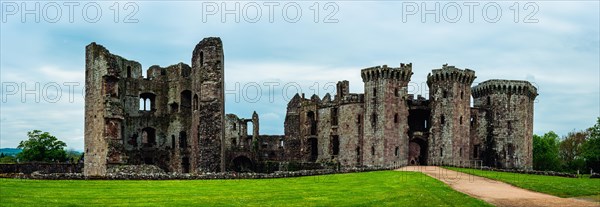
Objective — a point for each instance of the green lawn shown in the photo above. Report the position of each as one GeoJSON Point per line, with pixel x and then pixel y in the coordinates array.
{"type": "Point", "coordinates": [558, 186]}
{"type": "Point", "coordinates": [382, 188]}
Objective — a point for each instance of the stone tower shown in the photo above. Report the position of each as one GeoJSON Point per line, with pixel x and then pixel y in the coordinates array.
{"type": "Point", "coordinates": [255, 126]}
{"type": "Point", "coordinates": [510, 107]}
{"type": "Point", "coordinates": [208, 104]}
{"type": "Point", "coordinates": [106, 98]}
{"type": "Point", "coordinates": [385, 139]}
{"type": "Point", "coordinates": [450, 95]}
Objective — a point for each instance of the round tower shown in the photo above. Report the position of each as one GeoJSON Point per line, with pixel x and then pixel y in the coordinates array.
{"type": "Point", "coordinates": [385, 140]}
{"type": "Point", "coordinates": [449, 95]}
{"type": "Point", "coordinates": [208, 85]}
{"type": "Point", "coordinates": [510, 107]}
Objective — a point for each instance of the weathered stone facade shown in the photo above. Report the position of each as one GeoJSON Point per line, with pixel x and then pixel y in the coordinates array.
{"type": "Point", "coordinates": [386, 126]}
{"type": "Point", "coordinates": [174, 118]}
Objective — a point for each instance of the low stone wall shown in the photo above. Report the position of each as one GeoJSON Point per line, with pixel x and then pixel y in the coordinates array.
{"type": "Point", "coordinates": [134, 169]}
{"type": "Point", "coordinates": [28, 168]}
{"type": "Point", "coordinates": [533, 172]}
{"type": "Point", "coordinates": [180, 176]}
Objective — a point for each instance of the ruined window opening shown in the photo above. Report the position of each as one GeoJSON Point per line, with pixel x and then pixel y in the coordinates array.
{"type": "Point", "coordinates": [373, 150]}
{"type": "Point", "coordinates": [148, 136]}
{"type": "Point", "coordinates": [201, 58]}
{"type": "Point", "coordinates": [373, 120]}
{"type": "Point", "coordinates": [441, 152]}
{"type": "Point", "coordinates": [163, 72]}
{"type": "Point", "coordinates": [357, 154]}
{"type": "Point", "coordinates": [509, 124]}
{"type": "Point", "coordinates": [249, 128]}
{"type": "Point", "coordinates": [460, 120]}
{"type": "Point", "coordinates": [172, 141]}
{"type": "Point", "coordinates": [445, 94]}
{"type": "Point", "coordinates": [443, 120]}
{"type": "Point", "coordinates": [476, 151]}
{"type": "Point", "coordinates": [374, 92]}
{"type": "Point", "coordinates": [281, 143]}
{"type": "Point", "coordinates": [128, 71]}
{"type": "Point", "coordinates": [111, 86]}
{"type": "Point", "coordinates": [312, 122]}
{"type": "Point", "coordinates": [460, 152]}
{"type": "Point", "coordinates": [461, 94]}
{"type": "Point", "coordinates": [359, 128]}
{"type": "Point", "coordinates": [397, 151]}
{"type": "Point", "coordinates": [233, 142]}
{"type": "Point", "coordinates": [510, 150]}
{"type": "Point", "coordinates": [195, 102]}
{"type": "Point", "coordinates": [185, 164]}
{"type": "Point", "coordinates": [396, 92]}
{"type": "Point", "coordinates": [174, 107]}
{"type": "Point", "coordinates": [489, 101]}
{"type": "Point", "coordinates": [142, 104]}
{"type": "Point", "coordinates": [314, 150]}
{"type": "Point", "coordinates": [335, 142]}
{"type": "Point", "coordinates": [472, 121]}
{"type": "Point", "coordinates": [396, 118]}
{"type": "Point", "coordinates": [147, 105]}
{"type": "Point", "coordinates": [186, 100]}
{"type": "Point", "coordinates": [334, 117]}
{"type": "Point", "coordinates": [147, 101]}
{"type": "Point", "coordinates": [234, 127]}
{"type": "Point", "coordinates": [133, 140]}
{"type": "Point", "coordinates": [182, 139]}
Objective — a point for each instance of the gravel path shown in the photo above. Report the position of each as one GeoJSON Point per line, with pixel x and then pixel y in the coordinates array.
{"type": "Point", "coordinates": [495, 192]}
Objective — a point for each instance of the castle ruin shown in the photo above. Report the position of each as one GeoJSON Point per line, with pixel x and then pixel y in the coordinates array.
{"type": "Point", "coordinates": [174, 118]}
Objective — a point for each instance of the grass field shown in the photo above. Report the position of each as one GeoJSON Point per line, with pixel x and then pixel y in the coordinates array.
{"type": "Point", "coordinates": [558, 186]}
{"type": "Point", "coordinates": [382, 188]}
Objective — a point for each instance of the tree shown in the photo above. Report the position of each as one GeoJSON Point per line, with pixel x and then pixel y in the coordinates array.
{"type": "Point", "coordinates": [571, 149]}
{"type": "Point", "coordinates": [591, 148]}
{"type": "Point", "coordinates": [545, 152]}
{"type": "Point", "coordinates": [73, 156]}
{"type": "Point", "coordinates": [42, 147]}
{"type": "Point", "coordinates": [8, 159]}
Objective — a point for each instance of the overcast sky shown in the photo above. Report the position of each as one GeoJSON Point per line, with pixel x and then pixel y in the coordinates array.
{"type": "Point", "coordinates": [553, 44]}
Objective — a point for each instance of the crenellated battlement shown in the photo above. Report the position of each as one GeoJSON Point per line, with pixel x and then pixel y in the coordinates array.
{"type": "Point", "coordinates": [402, 73]}
{"type": "Point", "coordinates": [451, 73]}
{"type": "Point", "coordinates": [518, 87]}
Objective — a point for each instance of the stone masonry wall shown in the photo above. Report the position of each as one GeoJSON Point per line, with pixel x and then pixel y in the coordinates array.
{"type": "Point", "coordinates": [449, 91]}
{"type": "Point", "coordinates": [174, 119]}
{"type": "Point", "coordinates": [510, 104]}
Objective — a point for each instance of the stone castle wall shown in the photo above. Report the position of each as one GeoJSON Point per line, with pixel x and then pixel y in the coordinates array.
{"type": "Point", "coordinates": [174, 119]}
{"type": "Point", "coordinates": [156, 119]}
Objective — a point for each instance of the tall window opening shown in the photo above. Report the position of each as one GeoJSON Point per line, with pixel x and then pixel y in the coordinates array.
{"type": "Point", "coordinates": [148, 137]}
{"type": "Point", "coordinates": [186, 100]}
{"type": "Point", "coordinates": [312, 122]}
{"type": "Point", "coordinates": [182, 140]}
{"type": "Point", "coordinates": [335, 144]}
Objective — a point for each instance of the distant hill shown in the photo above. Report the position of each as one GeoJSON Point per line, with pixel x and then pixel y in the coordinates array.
{"type": "Point", "coordinates": [10, 151]}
